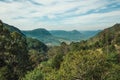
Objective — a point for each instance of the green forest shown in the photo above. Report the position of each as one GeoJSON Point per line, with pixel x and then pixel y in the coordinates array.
{"type": "Point", "coordinates": [26, 58]}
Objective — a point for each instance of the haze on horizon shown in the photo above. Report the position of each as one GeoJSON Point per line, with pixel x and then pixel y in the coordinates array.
{"type": "Point", "coordinates": [60, 14]}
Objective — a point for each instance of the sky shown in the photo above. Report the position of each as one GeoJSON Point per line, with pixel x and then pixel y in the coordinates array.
{"type": "Point", "coordinates": [60, 14]}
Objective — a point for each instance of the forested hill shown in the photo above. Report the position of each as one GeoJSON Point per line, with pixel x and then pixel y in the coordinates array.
{"type": "Point", "coordinates": [55, 37]}
{"type": "Point", "coordinates": [42, 35]}
{"type": "Point", "coordinates": [37, 32]}
{"type": "Point", "coordinates": [108, 36]}
{"type": "Point", "coordinates": [111, 32]}
{"type": "Point", "coordinates": [73, 35]}
{"type": "Point", "coordinates": [13, 53]}
{"type": "Point", "coordinates": [12, 28]}
{"type": "Point", "coordinates": [18, 54]}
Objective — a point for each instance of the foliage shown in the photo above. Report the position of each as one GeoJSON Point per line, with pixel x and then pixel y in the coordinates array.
{"type": "Point", "coordinates": [34, 75]}
{"type": "Point", "coordinates": [84, 65]}
{"type": "Point", "coordinates": [13, 54]}
{"type": "Point", "coordinates": [36, 45]}
{"type": "Point", "coordinates": [37, 51]}
{"type": "Point", "coordinates": [95, 59]}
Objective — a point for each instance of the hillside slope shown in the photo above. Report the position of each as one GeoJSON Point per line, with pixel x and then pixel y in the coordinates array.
{"type": "Point", "coordinates": [74, 35]}
{"type": "Point", "coordinates": [12, 28]}
{"type": "Point", "coordinates": [55, 37]}
{"type": "Point", "coordinates": [69, 35]}
{"type": "Point", "coordinates": [42, 35]}
{"type": "Point", "coordinates": [13, 53]}
{"type": "Point", "coordinates": [108, 36]}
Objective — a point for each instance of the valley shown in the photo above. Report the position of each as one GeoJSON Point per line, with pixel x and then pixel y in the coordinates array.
{"type": "Point", "coordinates": [90, 55]}
{"type": "Point", "coordinates": [56, 37]}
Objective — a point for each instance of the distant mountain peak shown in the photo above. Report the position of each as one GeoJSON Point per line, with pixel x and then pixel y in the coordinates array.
{"type": "Point", "coordinates": [40, 32]}
{"type": "Point", "coordinates": [75, 32]}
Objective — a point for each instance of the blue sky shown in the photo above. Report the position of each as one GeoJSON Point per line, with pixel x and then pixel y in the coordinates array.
{"type": "Point", "coordinates": [60, 14]}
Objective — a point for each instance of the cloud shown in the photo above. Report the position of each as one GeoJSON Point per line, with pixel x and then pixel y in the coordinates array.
{"type": "Point", "coordinates": [92, 18]}
{"type": "Point", "coordinates": [60, 14]}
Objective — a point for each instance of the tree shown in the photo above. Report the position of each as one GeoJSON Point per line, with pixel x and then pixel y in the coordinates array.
{"type": "Point", "coordinates": [84, 65]}
{"type": "Point", "coordinates": [36, 45]}
{"type": "Point", "coordinates": [34, 75]}
{"type": "Point", "coordinates": [56, 61]}
{"type": "Point", "coordinates": [13, 54]}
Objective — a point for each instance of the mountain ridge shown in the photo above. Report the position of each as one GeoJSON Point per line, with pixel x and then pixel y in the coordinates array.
{"type": "Point", "coordinates": [54, 37]}
{"type": "Point", "coordinates": [12, 28]}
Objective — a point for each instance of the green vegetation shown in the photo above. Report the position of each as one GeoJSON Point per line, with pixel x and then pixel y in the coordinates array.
{"type": "Point", "coordinates": [42, 35]}
{"type": "Point", "coordinates": [55, 37]}
{"type": "Point", "coordinates": [13, 54]}
{"type": "Point", "coordinates": [24, 58]}
{"type": "Point", "coordinates": [16, 53]}
{"type": "Point", "coordinates": [68, 35]}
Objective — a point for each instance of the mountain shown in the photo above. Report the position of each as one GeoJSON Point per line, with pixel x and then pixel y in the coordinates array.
{"type": "Point", "coordinates": [42, 35]}
{"type": "Point", "coordinates": [18, 54]}
{"type": "Point", "coordinates": [74, 35]}
{"type": "Point", "coordinates": [68, 35]}
{"type": "Point", "coordinates": [89, 34]}
{"type": "Point", "coordinates": [12, 28]}
{"type": "Point", "coordinates": [108, 36]}
{"type": "Point", "coordinates": [13, 52]}
{"type": "Point", "coordinates": [55, 37]}
{"type": "Point", "coordinates": [37, 33]}
{"type": "Point", "coordinates": [107, 40]}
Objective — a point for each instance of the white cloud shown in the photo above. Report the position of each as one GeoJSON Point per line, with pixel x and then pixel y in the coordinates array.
{"type": "Point", "coordinates": [45, 2]}
{"type": "Point", "coordinates": [90, 18]}
{"type": "Point", "coordinates": [51, 16]}
{"type": "Point", "coordinates": [65, 12]}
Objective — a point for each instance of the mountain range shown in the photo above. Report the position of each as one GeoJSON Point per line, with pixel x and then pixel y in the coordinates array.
{"type": "Point", "coordinates": [55, 37]}
{"type": "Point", "coordinates": [42, 35]}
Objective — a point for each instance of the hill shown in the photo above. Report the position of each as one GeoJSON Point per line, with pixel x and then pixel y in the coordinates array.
{"type": "Point", "coordinates": [74, 35]}
{"type": "Point", "coordinates": [37, 32]}
{"type": "Point", "coordinates": [108, 36]}
{"type": "Point", "coordinates": [13, 53]}
{"type": "Point", "coordinates": [18, 54]}
{"type": "Point", "coordinates": [12, 28]}
{"type": "Point", "coordinates": [90, 34]}
{"type": "Point", "coordinates": [55, 37]}
{"type": "Point", "coordinates": [69, 35]}
{"type": "Point", "coordinates": [107, 40]}
{"type": "Point", "coordinates": [42, 35]}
